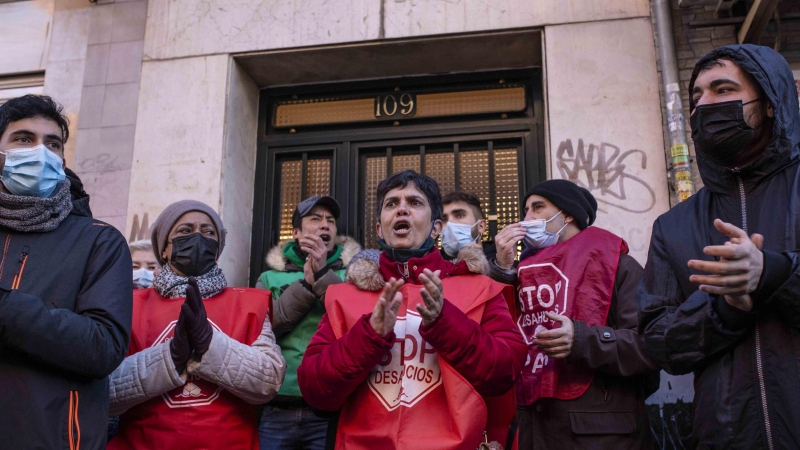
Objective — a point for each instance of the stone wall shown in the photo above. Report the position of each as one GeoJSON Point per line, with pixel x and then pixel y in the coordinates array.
{"type": "Point", "coordinates": [110, 95]}
{"type": "Point", "coordinates": [602, 92]}
{"type": "Point", "coordinates": [49, 36]}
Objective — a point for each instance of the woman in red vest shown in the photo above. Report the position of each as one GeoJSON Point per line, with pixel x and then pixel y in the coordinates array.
{"type": "Point", "coordinates": [408, 368]}
{"type": "Point", "coordinates": [202, 355]}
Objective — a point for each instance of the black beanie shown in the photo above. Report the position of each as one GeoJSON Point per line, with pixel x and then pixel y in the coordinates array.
{"type": "Point", "coordinates": [574, 200]}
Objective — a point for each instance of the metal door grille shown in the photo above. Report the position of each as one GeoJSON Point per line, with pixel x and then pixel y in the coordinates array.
{"type": "Point", "coordinates": [493, 175]}
{"type": "Point", "coordinates": [300, 179]}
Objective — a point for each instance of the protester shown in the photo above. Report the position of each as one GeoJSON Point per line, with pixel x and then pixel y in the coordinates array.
{"type": "Point", "coordinates": [587, 374]}
{"type": "Point", "coordinates": [65, 289]}
{"type": "Point", "coordinates": [464, 226]}
{"type": "Point", "coordinates": [197, 367]}
{"type": "Point", "coordinates": [145, 264]}
{"type": "Point", "coordinates": [721, 289]}
{"type": "Point", "coordinates": [408, 368]}
{"type": "Point", "coordinates": [300, 272]}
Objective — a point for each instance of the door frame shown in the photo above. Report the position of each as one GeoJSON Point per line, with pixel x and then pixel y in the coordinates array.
{"type": "Point", "coordinates": [347, 142]}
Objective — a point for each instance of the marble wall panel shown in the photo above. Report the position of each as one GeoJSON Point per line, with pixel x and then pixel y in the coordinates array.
{"type": "Point", "coordinates": [62, 81]}
{"type": "Point", "coordinates": [108, 191]}
{"type": "Point", "coordinates": [25, 35]}
{"type": "Point", "coordinates": [605, 122]}
{"type": "Point", "coordinates": [65, 65]}
{"type": "Point", "coordinates": [177, 28]}
{"type": "Point", "coordinates": [179, 139]}
{"type": "Point", "coordinates": [238, 175]}
{"type": "Point", "coordinates": [405, 18]}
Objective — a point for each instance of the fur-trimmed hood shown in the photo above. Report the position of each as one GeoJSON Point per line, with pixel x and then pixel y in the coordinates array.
{"type": "Point", "coordinates": [365, 273]}
{"type": "Point", "coordinates": [276, 261]}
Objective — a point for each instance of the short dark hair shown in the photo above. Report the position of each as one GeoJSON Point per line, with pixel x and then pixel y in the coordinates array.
{"type": "Point", "coordinates": [465, 197]}
{"type": "Point", "coordinates": [31, 105]}
{"type": "Point", "coordinates": [702, 66]}
{"type": "Point", "coordinates": [423, 183]}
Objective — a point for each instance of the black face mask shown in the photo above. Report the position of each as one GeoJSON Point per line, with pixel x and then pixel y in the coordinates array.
{"type": "Point", "coordinates": [194, 255]}
{"type": "Point", "coordinates": [720, 132]}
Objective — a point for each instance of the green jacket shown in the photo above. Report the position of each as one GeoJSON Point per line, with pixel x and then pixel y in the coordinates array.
{"type": "Point", "coordinates": [297, 310]}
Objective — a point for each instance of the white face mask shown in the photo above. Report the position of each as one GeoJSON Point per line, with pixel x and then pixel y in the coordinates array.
{"type": "Point", "coordinates": [32, 172]}
{"type": "Point", "coordinates": [456, 236]}
{"type": "Point", "coordinates": [143, 276]}
{"type": "Point", "coordinates": [537, 236]}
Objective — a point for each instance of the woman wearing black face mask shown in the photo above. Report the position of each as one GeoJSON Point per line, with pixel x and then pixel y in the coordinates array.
{"type": "Point", "coordinates": [201, 353]}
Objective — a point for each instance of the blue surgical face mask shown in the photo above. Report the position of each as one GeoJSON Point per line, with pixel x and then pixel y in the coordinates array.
{"type": "Point", "coordinates": [456, 236]}
{"type": "Point", "coordinates": [32, 172]}
{"type": "Point", "coordinates": [537, 236]}
{"type": "Point", "coordinates": [143, 276]}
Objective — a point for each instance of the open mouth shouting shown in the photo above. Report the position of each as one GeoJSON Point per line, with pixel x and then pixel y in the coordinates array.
{"type": "Point", "coordinates": [402, 228]}
{"type": "Point", "coordinates": [326, 238]}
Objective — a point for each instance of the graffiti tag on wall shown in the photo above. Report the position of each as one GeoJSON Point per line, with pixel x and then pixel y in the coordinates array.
{"type": "Point", "coordinates": [605, 171]}
{"type": "Point", "coordinates": [140, 230]}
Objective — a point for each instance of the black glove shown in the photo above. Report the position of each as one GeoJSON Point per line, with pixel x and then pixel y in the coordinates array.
{"type": "Point", "coordinates": [179, 347]}
{"type": "Point", "coordinates": [200, 330]}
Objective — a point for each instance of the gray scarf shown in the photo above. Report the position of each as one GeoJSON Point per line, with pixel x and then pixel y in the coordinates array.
{"type": "Point", "coordinates": [33, 214]}
{"type": "Point", "coordinates": [170, 285]}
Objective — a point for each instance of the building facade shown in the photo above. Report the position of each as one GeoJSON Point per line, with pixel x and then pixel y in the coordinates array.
{"type": "Point", "coordinates": [250, 106]}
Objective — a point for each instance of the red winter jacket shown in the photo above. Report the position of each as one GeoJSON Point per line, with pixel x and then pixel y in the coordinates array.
{"type": "Point", "coordinates": [488, 355]}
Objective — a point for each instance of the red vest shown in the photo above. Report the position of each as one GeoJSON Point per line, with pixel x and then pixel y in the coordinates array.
{"type": "Point", "coordinates": [576, 279]}
{"type": "Point", "coordinates": [199, 414]}
{"type": "Point", "coordinates": [413, 399]}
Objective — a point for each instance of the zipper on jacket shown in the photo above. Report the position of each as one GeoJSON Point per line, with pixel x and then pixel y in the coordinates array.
{"type": "Point", "coordinates": [73, 425]}
{"type": "Point", "coordinates": [23, 258]}
{"type": "Point", "coordinates": [405, 270]}
{"type": "Point", "coordinates": [759, 361]}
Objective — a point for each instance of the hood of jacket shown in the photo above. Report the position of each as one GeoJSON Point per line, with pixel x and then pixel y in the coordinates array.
{"type": "Point", "coordinates": [773, 74]}
{"type": "Point", "coordinates": [276, 260]}
{"type": "Point", "coordinates": [80, 199]}
{"type": "Point", "coordinates": [369, 275]}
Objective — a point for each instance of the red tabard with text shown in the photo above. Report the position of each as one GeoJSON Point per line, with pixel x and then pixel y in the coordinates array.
{"type": "Point", "coordinates": [413, 399]}
{"type": "Point", "coordinates": [199, 414]}
{"type": "Point", "coordinates": [576, 279]}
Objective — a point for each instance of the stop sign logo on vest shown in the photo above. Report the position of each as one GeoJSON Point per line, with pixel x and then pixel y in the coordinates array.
{"type": "Point", "coordinates": [543, 288]}
{"type": "Point", "coordinates": [196, 391]}
{"type": "Point", "coordinates": [411, 371]}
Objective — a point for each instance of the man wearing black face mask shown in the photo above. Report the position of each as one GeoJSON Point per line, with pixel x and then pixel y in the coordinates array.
{"type": "Point", "coordinates": [721, 291]}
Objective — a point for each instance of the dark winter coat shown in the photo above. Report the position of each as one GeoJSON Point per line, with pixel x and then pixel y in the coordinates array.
{"type": "Point", "coordinates": [611, 413]}
{"type": "Point", "coordinates": [746, 364]}
{"type": "Point", "coordinates": [64, 326]}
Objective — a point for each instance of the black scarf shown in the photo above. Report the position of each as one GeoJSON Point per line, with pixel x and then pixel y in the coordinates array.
{"type": "Point", "coordinates": [404, 254]}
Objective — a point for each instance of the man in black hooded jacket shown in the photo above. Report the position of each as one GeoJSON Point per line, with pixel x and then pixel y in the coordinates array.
{"type": "Point", "coordinates": [721, 291]}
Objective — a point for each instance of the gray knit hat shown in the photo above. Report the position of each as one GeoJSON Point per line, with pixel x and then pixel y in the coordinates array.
{"type": "Point", "coordinates": [166, 220]}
